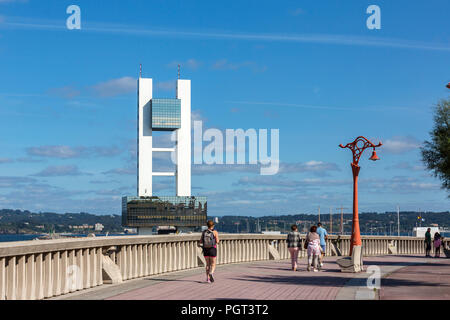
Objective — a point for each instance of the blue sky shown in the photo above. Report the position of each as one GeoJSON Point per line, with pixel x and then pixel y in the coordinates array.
{"type": "Point", "coordinates": [313, 70]}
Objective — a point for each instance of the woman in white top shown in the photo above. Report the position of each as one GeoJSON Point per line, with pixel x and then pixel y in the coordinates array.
{"type": "Point", "coordinates": [314, 250]}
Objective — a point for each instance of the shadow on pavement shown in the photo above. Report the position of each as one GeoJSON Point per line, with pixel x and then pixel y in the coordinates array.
{"type": "Point", "coordinates": [328, 281]}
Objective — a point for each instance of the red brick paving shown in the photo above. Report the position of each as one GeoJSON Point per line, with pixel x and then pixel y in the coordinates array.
{"type": "Point", "coordinates": [429, 281]}
{"type": "Point", "coordinates": [264, 280]}
{"type": "Point", "coordinates": [275, 280]}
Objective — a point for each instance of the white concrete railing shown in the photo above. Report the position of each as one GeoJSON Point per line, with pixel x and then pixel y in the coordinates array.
{"type": "Point", "coordinates": [46, 268]}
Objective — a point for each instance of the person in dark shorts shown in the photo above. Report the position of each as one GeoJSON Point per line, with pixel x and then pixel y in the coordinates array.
{"type": "Point", "coordinates": [209, 241]}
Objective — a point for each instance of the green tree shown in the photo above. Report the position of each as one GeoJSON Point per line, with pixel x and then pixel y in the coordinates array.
{"type": "Point", "coordinates": [436, 153]}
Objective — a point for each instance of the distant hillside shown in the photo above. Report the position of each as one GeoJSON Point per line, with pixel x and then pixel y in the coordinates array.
{"type": "Point", "coordinates": [17, 221]}
{"type": "Point", "coordinates": [376, 223]}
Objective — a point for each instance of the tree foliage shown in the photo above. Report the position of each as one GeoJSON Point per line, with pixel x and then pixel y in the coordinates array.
{"type": "Point", "coordinates": [436, 153]}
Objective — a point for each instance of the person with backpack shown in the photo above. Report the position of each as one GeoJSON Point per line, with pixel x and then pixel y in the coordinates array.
{"type": "Point", "coordinates": [294, 243]}
{"type": "Point", "coordinates": [209, 241]}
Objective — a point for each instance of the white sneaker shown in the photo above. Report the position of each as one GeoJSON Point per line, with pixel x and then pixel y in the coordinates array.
{"type": "Point", "coordinates": [315, 270]}
{"type": "Point", "coordinates": [321, 264]}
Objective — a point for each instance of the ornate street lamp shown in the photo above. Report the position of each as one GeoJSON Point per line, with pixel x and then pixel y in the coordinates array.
{"type": "Point", "coordinates": [357, 147]}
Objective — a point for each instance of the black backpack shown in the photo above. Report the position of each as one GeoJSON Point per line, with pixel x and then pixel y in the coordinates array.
{"type": "Point", "coordinates": [209, 240]}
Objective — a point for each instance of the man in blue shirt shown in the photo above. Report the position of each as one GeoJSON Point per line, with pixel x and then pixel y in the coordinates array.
{"type": "Point", "coordinates": [323, 237]}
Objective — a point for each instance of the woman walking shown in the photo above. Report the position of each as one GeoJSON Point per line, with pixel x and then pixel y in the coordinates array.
{"type": "Point", "coordinates": [209, 241]}
{"type": "Point", "coordinates": [314, 250]}
{"type": "Point", "coordinates": [294, 242]}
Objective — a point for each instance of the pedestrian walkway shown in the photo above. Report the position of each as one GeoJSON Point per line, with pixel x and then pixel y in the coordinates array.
{"type": "Point", "coordinates": [403, 277]}
{"type": "Point", "coordinates": [419, 282]}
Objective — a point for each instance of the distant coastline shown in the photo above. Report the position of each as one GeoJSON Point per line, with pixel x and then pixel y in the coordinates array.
{"type": "Point", "coordinates": [18, 237]}
{"type": "Point", "coordinates": [27, 237]}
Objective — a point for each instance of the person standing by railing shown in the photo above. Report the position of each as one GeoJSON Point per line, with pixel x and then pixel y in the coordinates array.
{"type": "Point", "coordinates": [294, 243]}
{"type": "Point", "coordinates": [428, 242]}
{"type": "Point", "coordinates": [209, 241]}
{"type": "Point", "coordinates": [437, 245]}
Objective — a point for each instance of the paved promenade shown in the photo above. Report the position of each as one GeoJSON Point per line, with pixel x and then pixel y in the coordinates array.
{"type": "Point", "coordinates": [403, 277]}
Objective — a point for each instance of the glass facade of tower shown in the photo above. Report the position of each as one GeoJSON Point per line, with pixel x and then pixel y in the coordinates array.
{"type": "Point", "coordinates": [166, 114]}
{"type": "Point", "coordinates": [164, 211]}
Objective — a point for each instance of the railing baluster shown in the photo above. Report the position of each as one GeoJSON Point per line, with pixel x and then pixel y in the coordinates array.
{"type": "Point", "coordinates": [63, 270]}
{"type": "Point", "coordinates": [40, 277]}
{"type": "Point", "coordinates": [2, 278]}
{"type": "Point", "coordinates": [145, 265]}
{"type": "Point", "coordinates": [122, 259]}
{"type": "Point", "coordinates": [31, 277]}
{"type": "Point", "coordinates": [88, 268]}
{"type": "Point", "coordinates": [183, 246]}
{"type": "Point", "coordinates": [129, 262]}
{"type": "Point", "coordinates": [174, 256]}
{"type": "Point", "coordinates": [99, 267]}
{"type": "Point", "coordinates": [140, 270]}
{"type": "Point", "coordinates": [156, 258]}
{"type": "Point", "coordinates": [188, 254]}
{"type": "Point", "coordinates": [48, 279]}
{"type": "Point", "coordinates": [56, 271]}
{"type": "Point", "coordinates": [21, 278]}
{"type": "Point", "coordinates": [11, 278]}
{"type": "Point", "coordinates": [150, 258]}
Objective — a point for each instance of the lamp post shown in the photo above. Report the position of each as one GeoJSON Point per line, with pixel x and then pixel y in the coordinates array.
{"type": "Point", "coordinates": [357, 147]}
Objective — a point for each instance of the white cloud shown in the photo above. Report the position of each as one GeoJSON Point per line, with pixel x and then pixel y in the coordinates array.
{"type": "Point", "coordinates": [292, 184]}
{"type": "Point", "coordinates": [336, 39]}
{"type": "Point", "coordinates": [297, 12]}
{"type": "Point", "coordinates": [166, 85]}
{"type": "Point", "coordinates": [67, 92]}
{"type": "Point", "coordinates": [63, 152]}
{"type": "Point", "coordinates": [224, 64]}
{"type": "Point", "coordinates": [67, 152]}
{"type": "Point", "coordinates": [129, 170]}
{"type": "Point", "coordinates": [15, 182]}
{"type": "Point", "coordinates": [115, 87]}
{"type": "Point", "coordinates": [190, 64]}
{"type": "Point", "coordinates": [404, 165]}
{"type": "Point", "coordinates": [317, 168]}
{"type": "Point", "coordinates": [400, 144]}
{"type": "Point", "coordinates": [59, 171]}
{"type": "Point", "coordinates": [13, 1]}
{"type": "Point", "coordinates": [6, 160]}
{"type": "Point", "coordinates": [399, 184]}
{"type": "Point", "coordinates": [322, 107]}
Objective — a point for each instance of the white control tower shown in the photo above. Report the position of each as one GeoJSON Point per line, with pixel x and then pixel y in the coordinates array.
{"type": "Point", "coordinates": [147, 210]}
{"type": "Point", "coordinates": [164, 115]}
